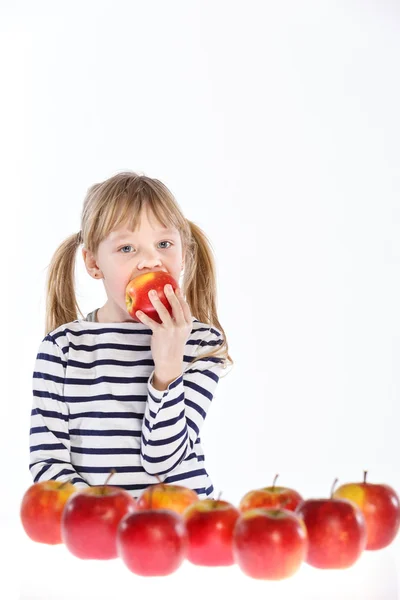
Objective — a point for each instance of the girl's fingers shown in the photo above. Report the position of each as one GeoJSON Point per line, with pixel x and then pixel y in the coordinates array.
{"type": "Point", "coordinates": [185, 306]}
{"type": "Point", "coordinates": [177, 307]}
{"type": "Point", "coordinates": [141, 315]}
{"type": "Point", "coordinates": [180, 308]}
{"type": "Point", "coordinates": [163, 312]}
{"type": "Point", "coordinates": [158, 305]}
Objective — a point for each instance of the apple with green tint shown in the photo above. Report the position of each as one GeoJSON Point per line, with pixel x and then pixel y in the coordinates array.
{"type": "Point", "coordinates": [380, 506]}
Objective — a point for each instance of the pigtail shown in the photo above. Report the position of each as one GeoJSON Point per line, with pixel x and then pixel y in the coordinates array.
{"type": "Point", "coordinates": [200, 288]}
{"type": "Point", "coordinates": [61, 304]}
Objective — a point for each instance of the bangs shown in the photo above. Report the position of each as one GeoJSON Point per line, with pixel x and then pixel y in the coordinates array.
{"type": "Point", "coordinates": [124, 202]}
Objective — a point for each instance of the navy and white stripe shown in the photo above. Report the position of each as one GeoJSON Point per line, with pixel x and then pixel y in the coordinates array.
{"type": "Point", "coordinates": [95, 408]}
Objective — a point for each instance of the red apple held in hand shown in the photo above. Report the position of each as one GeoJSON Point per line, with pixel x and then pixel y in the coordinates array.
{"type": "Point", "coordinates": [269, 543]}
{"type": "Point", "coordinates": [137, 294]}
{"type": "Point", "coordinates": [152, 542]}
{"type": "Point", "coordinates": [210, 524]}
{"type": "Point", "coordinates": [41, 510]}
{"type": "Point", "coordinates": [380, 506]}
{"type": "Point", "coordinates": [90, 520]}
{"type": "Point", "coordinates": [271, 497]}
{"type": "Point", "coordinates": [336, 529]}
{"type": "Point", "coordinates": [166, 496]}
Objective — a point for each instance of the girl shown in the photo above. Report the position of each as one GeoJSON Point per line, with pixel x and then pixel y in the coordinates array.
{"type": "Point", "coordinates": [110, 392]}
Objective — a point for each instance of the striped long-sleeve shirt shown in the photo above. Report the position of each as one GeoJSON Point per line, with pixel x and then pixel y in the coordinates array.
{"type": "Point", "coordinates": [95, 408]}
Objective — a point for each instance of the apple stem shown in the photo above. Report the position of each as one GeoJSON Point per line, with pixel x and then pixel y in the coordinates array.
{"type": "Point", "coordinates": [112, 472]}
{"type": "Point", "coordinates": [273, 483]}
{"type": "Point", "coordinates": [216, 500]}
{"type": "Point", "coordinates": [365, 476]}
{"type": "Point", "coordinates": [159, 478]}
{"type": "Point", "coordinates": [333, 486]}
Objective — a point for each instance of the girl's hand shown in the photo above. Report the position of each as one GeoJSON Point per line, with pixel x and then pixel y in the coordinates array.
{"type": "Point", "coordinates": [170, 336]}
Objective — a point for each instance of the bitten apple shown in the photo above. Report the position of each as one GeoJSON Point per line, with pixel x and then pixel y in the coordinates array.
{"type": "Point", "coordinates": [90, 520]}
{"type": "Point", "coordinates": [137, 294]}
{"type": "Point", "coordinates": [210, 524]}
{"type": "Point", "coordinates": [152, 542]}
{"type": "Point", "coordinates": [271, 497]}
{"type": "Point", "coordinates": [166, 496]}
{"type": "Point", "coordinates": [41, 510]}
{"type": "Point", "coordinates": [336, 531]}
{"type": "Point", "coordinates": [380, 506]}
{"type": "Point", "coordinates": [269, 543]}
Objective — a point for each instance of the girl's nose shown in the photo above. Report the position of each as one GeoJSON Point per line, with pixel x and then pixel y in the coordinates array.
{"type": "Point", "coordinates": [149, 263]}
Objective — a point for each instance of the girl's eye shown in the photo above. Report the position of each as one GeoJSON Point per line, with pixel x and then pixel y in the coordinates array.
{"type": "Point", "coordinates": [123, 248]}
{"type": "Point", "coordinates": [129, 246]}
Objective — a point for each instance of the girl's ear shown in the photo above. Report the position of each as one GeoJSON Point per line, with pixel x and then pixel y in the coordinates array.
{"type": "Point", "coordinates": [91, 264]}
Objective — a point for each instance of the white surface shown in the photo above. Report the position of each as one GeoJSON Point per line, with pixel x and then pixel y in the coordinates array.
{"type": "Point", "coordinates": [276, 126]}
{"type": "Point", "coordinates": [52, 573]}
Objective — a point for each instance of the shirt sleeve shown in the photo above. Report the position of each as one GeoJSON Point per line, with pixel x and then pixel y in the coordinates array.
{"type": "Point", "coordinates": [49, 434]}
{"type": "Point", "coordinates": [173, 417]}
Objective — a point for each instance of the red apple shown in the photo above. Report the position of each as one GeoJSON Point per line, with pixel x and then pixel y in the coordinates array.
{"type": "Point", "coordinates": [41, 509]}
{"type": "Point", "coordinates": [90, 520]}
{"type": "Point", "coordinates": [137, 294]}
{"type": "Point", "coordinates": [152, 542]}
{"type": "Point", "coordinates": [269, 543]}
{"type": "Point", "coordinates": [210, 524]}
{"type": "Point", "coordinates": [336, 531]}
{"type": "Point", "coordinates": [271, 497]}
{"type": "Point", "coordinates": [166, 496]}
{"type": "Point", "coordinates": [380, 506]}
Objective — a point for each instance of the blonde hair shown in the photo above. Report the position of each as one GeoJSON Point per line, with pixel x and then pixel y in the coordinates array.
{"type": "Point", "coordinates": [119, 200]}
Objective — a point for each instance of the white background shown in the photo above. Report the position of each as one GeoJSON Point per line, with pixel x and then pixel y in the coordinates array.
{"type": "Point", "coordinates": [276, 125]}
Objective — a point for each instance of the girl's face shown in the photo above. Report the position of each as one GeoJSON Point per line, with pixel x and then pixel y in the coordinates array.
{"type": "Point", "coordinates": [124, 255]}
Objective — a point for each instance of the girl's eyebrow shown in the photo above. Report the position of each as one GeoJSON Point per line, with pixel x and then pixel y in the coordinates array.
{"type": "Point", "coordinates": [157, 234]}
